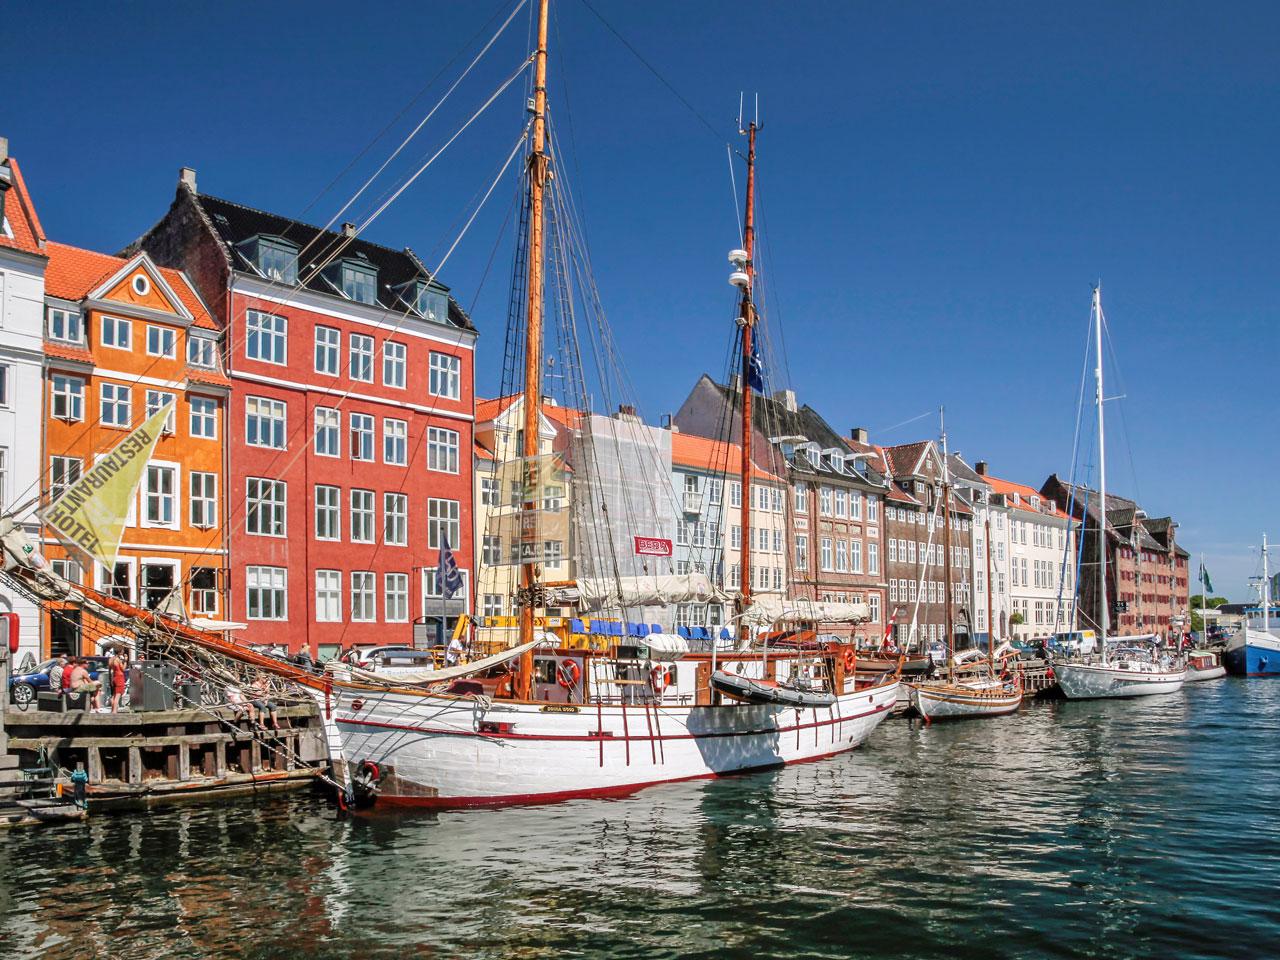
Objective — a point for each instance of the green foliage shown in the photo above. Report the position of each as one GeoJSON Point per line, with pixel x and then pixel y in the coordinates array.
{"type": "Point", "coordinates": [1016, 619]}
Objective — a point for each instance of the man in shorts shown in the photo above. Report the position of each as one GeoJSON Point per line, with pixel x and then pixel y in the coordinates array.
{"type": "Point", "coordinates": [80, 683]}
{"type": "Point", "coordinates": [261, 702]}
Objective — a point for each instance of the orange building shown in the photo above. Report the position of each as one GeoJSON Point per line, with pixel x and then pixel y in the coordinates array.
{"type": "Point", "coordinates": [124, 337]}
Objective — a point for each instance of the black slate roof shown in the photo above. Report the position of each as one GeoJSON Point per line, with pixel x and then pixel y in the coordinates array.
{"type": "Point", "coordinates": [236, 223]}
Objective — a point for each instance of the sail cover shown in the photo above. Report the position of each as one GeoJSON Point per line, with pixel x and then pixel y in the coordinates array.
{"type": "Point", "coordinates": [593, 593]}
{"type": "Point", "coordinates": [448, 673]}
{"type": "Point", "coordinates": [768, 609]}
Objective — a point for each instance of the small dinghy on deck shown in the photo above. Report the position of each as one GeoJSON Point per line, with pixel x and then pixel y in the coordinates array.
{"type": "Point", "coordinates": [760, 690]}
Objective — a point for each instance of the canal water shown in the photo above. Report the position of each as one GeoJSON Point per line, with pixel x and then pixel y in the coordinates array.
{"type": "Point", "coordinates": [1107, 829]}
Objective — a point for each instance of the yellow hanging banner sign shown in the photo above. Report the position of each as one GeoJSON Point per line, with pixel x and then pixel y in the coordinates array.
{"type": "Point", "coordinates": [90, 514]}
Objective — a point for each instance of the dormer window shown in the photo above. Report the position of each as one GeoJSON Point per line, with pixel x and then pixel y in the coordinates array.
{"type": "Point", "coordinates": [202, 351]}
{"type": "Point", "coordinates": [65, 325]}
{"type": "Point", "coordinates": [359, 281]}
{"type": "Point", "coordinates": [1017, 499]}
{"type": "Point", "coordinates": [274, 258]}
{"type": "Point", "coordinates": [431, 302]}
{"type": "Point", "coordinates": [1035, 503]}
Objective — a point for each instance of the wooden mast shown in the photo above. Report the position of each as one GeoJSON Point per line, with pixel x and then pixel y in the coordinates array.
{"type": "Point", "coordinates": [538, 166]}
{"type": "Point", "coordinates": [991, 625]}
{"type": "Point", "coordinates": [946, 540]}
{"type": "Point", "coordinates": [748, 329]}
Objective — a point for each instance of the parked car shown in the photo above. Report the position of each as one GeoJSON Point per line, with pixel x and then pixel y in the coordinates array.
{"type": "Point", "coordinates": [23, 687]}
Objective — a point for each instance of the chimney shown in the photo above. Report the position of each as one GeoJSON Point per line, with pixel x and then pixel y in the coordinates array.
{"type": "Point", "coordinates": [980, 468]}
{"type": "Point", "coordinates": [787, 398]}
{"type": "Point", "coordinates": [187, 178]}
{"type": "Point", "coordinates": [348, 229]}
{"type": "Point", "coordinates": [4, 150]}
{"type": "Point", "coordinates": [627, 412]}
{"type": "Point", "coordinates": [859, 435]}
{"type": "Point", "coordinates": [6, 176]}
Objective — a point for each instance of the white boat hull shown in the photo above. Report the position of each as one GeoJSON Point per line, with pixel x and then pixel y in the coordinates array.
{"type": "Point", "coordinates": [1212, 673]}
{"type": "Point", "coordinates": [446, 751]}
{"type": "Point", "coordinates": [936, 701]}
{"type": "Point", "coordinates": [1091, 681]}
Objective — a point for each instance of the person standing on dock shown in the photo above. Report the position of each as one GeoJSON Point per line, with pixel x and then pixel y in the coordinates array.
{"type": "Point", "coordinates": [116, 667]}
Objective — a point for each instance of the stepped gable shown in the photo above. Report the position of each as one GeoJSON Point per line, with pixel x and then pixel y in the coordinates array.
{"type": "Point", "coordinates": [235, 223]}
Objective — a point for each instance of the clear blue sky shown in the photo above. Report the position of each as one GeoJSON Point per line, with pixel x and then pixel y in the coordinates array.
{"type": "Point", "coordinates": [941, 184]}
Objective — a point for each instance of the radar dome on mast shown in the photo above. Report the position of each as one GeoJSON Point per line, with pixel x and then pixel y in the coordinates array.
{"type": "Point", "coordinates": [739, 277]}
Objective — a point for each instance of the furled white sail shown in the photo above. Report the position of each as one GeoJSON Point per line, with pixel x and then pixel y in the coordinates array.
{"type": "Point", "coordinates": [407, 677]}
{"type": "Point", "coordinates": [768, 609]}
{"type": "Point", "coordinates": [659, 590]}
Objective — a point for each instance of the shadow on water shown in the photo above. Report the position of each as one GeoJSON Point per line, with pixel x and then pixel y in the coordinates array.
{"type": "Point", "coordinates": [1068, 830]}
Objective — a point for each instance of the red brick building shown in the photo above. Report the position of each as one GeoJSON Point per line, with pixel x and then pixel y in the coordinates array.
{"type": "Point", "coordinates": [1147, 581]}
{"type": "Point", "coordinates": [350, 423]}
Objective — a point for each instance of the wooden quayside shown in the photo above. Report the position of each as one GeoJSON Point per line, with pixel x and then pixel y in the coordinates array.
{"type": "Point", "coordinates": [143, 758]}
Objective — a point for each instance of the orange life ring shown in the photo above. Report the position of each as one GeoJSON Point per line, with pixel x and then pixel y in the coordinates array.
{"type": "Point", "coordinates": [569, 674]}
{"type": "Point", "coordinates": [850, 660]}
{"type": "Point", "coordinates": [659, 678]}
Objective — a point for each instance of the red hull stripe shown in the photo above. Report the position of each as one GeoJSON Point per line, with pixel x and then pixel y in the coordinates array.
{"type": "Point", "coordinates": [592, 738]}
{"type": "Point", "coordinates": [592, 793]}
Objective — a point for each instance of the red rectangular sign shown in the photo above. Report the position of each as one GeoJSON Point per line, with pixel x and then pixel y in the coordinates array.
{"type": "Point", "coordinates": [653, 547]}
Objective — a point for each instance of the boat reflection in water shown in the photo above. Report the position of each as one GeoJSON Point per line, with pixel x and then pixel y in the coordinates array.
{"type": "Point", "coordinates": [1068, 829]}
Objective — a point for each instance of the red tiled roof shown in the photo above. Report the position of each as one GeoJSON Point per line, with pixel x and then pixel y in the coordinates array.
{"type": "Point", "coordinates": [28, 235]}
{"type": "Point", "coordinates": [1008, 487]}
{"type": "Point", "coordinates": [211, 377]}
{"type": "Point", "coordinates": [899, 496]}
{"type": "Point", "coordinates": [483, 452]}
{"type": "Point", "coordinates": [487, 410]}
{"type": "Point", "coordinates": [62, 351]}
{"type": "Point", "coordinates": [904, 457]}
{"type": "Point", "coordinates": [716, 456]}
{"type": "Point", "coordinates": [74, 272]}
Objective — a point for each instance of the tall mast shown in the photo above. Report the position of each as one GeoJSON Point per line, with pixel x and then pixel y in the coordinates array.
{"type": "Point", "coordinates": [748, 329]}
{"type": "Point", "coordinates": [1266, 589]}
{"type": "Point", "coordinates": [991, 625]}
{"type": "Point", "coordinates": [946, 546]}
{"type": "Point", "coordinates": [1104, 618]}
{"type": "Point", "coordinates": [538, 164]}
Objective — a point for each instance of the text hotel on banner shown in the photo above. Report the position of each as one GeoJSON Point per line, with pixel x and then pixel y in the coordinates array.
{"type": "Point", "coordinates": [653, 547]}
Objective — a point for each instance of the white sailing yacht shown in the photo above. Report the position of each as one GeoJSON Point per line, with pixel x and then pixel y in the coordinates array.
{"type": "Point", "coordinates": [1128, 666]}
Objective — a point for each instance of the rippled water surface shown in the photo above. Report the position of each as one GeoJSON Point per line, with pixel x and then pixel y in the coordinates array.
{"type": "Point", "coordinates": [1109, 829]}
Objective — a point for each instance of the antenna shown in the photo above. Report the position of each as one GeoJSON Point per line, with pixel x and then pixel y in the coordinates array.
{"type": "Point", "coordinates": [740, 127]}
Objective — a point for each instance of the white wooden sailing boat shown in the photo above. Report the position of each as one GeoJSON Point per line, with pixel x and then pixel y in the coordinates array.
{"type": "Point", "coordinates": [1136, 667]}
{"type": "Point", "coordinates": [988, 695]}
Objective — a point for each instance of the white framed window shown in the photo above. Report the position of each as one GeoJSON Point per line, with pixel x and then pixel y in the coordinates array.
{"type": "Point", "coordinates": [328, 512]}
{"type": "Point", "coordinates": [842, 503]}
{"type": "Point", "coordinates": [63, 472]}
{"type": "Point", "coordinates": [842, 556]}
{"type": "Point", "coordinates": [855, 505]}
{"type": "Point", "coordinates": [491, 605]}
{"type": "Point", "coordinates": [265, 422]}
{"type": "Point", "coordinates": [395, 519]}
{"type": "Point", "coordinates": [265, 595]}
{"type": "Point", "coordinates": [873, 557]}
{"type": "Point", "coordinates": [265, 336]}
{"type": "Point", "coordinates": [156, 400]}
{"type": "Point", "coordinates": [328, 432]}
{"type": "Point", "coordinates": [395, 442]}
{"type": "Point", "coordinates": [117, 333]}
{"type": "Point", "coordinates": [824, 495]}
{"type": "Point", "coordinates": [203, 489]}
{"type": "Point", "coordinates": [445, 378]}
{"type": "Point", "coordinates": [490, 491]}
{"type": "Point", "coordinates": [777, 541]}
{"type": "Point", "coordinates": [328, 343]}
{"type": "Point", "coordinates": [65, 325]}
{"type": "Point", "coordinates": [490, 550]}
{"type": "Point", "coordinates": [204, 417]}
{"type": "Point", "coordinates": [364, 607]}
{"type": "Point", "coordinates": [715, 491]}
{"type": "Point", "coordinates": [395, 593]}
{"type": "Point", "coordinates": [116, 405]}
{"type": "Point", "coordinates": [202, 351]}
{"type": "Point", "coordinates": [162, 342]}
{"type": "Point", "coordinates": [826, 557]}
{"type": "Point", "coordinates": [442, 450]}
{"type": "Point", "coordinates": [873, 508]}
{"type": "Point", "coordinates": [362, 437]}
{"type": "Point", "coordinates": [265, 507]}
{"type": "Point", "coordinates": [160, 496]}
{"type": "Point", "coordinates": [735, 493]}
{"type": "Point", "coordinates": [801, 498]}
{"type": "Point", "coordinates": [361, 365]}
{"type": "Point", "coordinates": [362, 517]}
{"type": "Point", "coordinates": [394, 363]}
{"type": "Point", "coordinates": [442, 517]}
{"type": "Point", "coordinates": [67, 397]}
{"type": "Point", "coordinates": [68, 570]}
{"type": "Point", "coordinates": [328, 596]}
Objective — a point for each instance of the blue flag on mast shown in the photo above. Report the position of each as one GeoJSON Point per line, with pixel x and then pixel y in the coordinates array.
{"type": "Point", "coordinates": [755, 368]}
{"type": "Point", "coordinates": [449, 575]}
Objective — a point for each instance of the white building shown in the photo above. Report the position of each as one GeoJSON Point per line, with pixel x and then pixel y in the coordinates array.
{"type": "Point", "coordinates": [1039, 543]}
{"type": "Point", "coordinates": [22, 270]}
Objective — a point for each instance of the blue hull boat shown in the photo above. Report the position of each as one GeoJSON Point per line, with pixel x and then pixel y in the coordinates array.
{"type": "Point", "coordinates": [1258, 655]}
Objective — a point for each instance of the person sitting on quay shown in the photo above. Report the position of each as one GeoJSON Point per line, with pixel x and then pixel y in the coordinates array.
{"type": "Point", "coordinates": [55, 673]}
{"type": "Point", "coordinates": [261, 705]}
{"type": "Point", "coordinates": [81, 682]}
